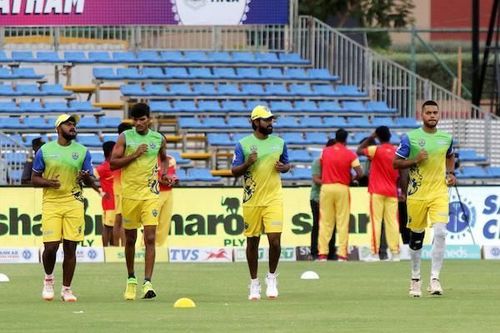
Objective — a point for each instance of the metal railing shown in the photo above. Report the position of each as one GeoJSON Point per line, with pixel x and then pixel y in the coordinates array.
{"type": "Point", "coordinates": [12, 158]}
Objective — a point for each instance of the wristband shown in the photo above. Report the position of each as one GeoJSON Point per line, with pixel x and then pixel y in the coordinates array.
{"type": "Point", "coordinates": [450, 173]}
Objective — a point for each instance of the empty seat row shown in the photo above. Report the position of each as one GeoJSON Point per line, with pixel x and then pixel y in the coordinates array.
{"type": "Point", "coordinates": [190, 106]}
{"type": "Point", "coordinates": [33, 90]}
{"type": "Point", "coordinates": [297, 122]}
{"type": "Point", "coordinates": [217, 73]}
{"type": "Point", "coordinates": [46, 123]}
{"type": "Point", "coordinates": [47, 107]}
{"type": "Point", "coordinates": [120, 57]}
{"type": "Point", "coordinates": [247, 90]}
{"type": "Point", "coordinates": [18, 73]}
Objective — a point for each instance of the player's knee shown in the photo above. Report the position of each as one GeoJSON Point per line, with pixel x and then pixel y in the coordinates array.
{"type": "Point", "coordinates": [439, 230]}
{"type": "Point", "coordinates": [416, 240]}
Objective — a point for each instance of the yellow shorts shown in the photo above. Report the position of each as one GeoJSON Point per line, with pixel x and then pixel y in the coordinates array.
{"type": "Point", "coordinates": [137, 213]}
{"type": "Point", "coordinates": [118, 204]}
{"type": "Point", "coordinates": [259, 220]}
{"type": "Point", "coordinates": [108, 218]}
{"type": "Point", "coordinates": [63, 221]}
{"type": "Point", "coordinates": [420, 212]}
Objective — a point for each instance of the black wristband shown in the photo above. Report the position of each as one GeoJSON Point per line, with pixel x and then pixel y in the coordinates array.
{"type": "Point", "coordinates": [450, 173]}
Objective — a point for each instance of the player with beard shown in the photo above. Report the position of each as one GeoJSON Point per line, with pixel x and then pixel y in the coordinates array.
{"type": "Point", "coordinates": [260, 158]}
{"type": "Point", "coordinates": [60, 167]}
{"type": "Point", "coordinates": [428, 154]}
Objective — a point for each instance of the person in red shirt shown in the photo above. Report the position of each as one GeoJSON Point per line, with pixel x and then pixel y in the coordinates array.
{"type": "Point", "coordinates": [334, 199]}
{"type": "Point", "coordinates": [166, 202]}
{"type": "Point", "coordinates": [105, 175]}
{"type": "Point", "coordinates": [383, 189]}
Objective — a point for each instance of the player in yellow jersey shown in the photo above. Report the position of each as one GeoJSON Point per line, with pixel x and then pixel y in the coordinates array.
{"type": "Point", "coordinates": [428, 154]}
{"type": "Point", "coordinates": [60, 167]}
{"type": "Point", "coordinates": [137, 152]}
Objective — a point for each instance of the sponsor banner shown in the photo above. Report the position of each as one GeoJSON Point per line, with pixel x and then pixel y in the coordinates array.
{"type": "Point", "coordinates": [287, 254]}
{"type": "Point", "coordinates": [216, 220]}
{"type": "Point", "coordinates": [303, 253]}
{"type": "Point", "coordinates": [365, 251]}
{"type": "Point", "coordinates": [201, 254]}
{"type": "Point", "coordinates": [455, 252]}
{"type": "Point", "coordinates": [19, 255]}
{"type": "Point", "coordinates": [117, 254]}
{"type": "Point", "coordinates": [127, 12]}
{"type": "Point", "coordinates": [491, 252]}
{"type": "Point", "coordinates": [83, 254]}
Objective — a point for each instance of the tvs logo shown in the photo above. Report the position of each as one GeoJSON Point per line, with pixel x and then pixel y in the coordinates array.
{"type": "Point", "coordinates": [219, 254]}
{"type": "Point", "coordinates": [27, 254]}
{"type": "Point", "coordinates": [462, 217]}
{"type": "Point", "coordinates": [92, 254]}
{"type": "Point", "coordinates": [495, 252]}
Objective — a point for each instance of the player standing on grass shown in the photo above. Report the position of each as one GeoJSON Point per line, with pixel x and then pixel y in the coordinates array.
{"type": "Point", "coordinates": [136, 152]}
{"type": "Point", "coordinates": [260, 158]}
{"type": "Point", "coordinates": [60, 167]}
{"type": "Point", "coordinates": [428, 153]}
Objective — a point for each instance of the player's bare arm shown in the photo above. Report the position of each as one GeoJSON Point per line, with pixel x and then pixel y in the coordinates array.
{"type": "Point", "coordinates": [87, 179]}
{"type": "Point", "coordinates": [165, 179]}
{"type": "Point", "coordinates": [281, 167]}
{"type": "Point", "coordinates": [241, 169]}
{"type": "Point", "coordinates": [119, 161]}
{"type": "Point", "coordinates": [359, 172]}
{"type": "Point", "coordinates": [38, 181]}
{"type": "Point", "coordinates": [451, 179]}
{"type": "Point", "coordinates": [401, 163]}
{"type": "Point", "coordinates": [365, 143]}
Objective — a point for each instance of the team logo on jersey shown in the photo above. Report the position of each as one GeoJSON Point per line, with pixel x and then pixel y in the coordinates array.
{"type": "Point", "coordinates": [152, 145]}
{"type": "Point", "coordinates": [154, 212]}
{"type": "Point", "coordinates": [249, 187]}
{"type": "Point", "coordinates": [421, 142]}
{"type": "Point", "coordinates": [75, 155]}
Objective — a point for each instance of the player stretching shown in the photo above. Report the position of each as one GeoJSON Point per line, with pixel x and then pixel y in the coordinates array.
{"type": "Point", "coordinates": [136, 152]}
{"type": "Point", "coordinates": [428, 154]}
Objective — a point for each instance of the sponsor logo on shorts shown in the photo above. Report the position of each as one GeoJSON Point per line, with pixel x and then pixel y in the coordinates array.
{"type": "Point", "coordinates": [276, 223]}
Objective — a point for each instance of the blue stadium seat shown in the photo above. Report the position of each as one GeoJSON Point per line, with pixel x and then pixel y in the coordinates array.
{"type": "Point", "coordinates": [97, 157]}
{"type": "Point", "coordinates": [130, 73]}
{"type": "Point", "coordinates": [48, 56]}
{"type": "Point", "coordinates": [54, 90]}
{"type": "Point", "coordinates": [29, 90]}
{"type": "Point", "coordinates": [30, 136]}
{"type": "Point", "coordinates": [152, 73]}
{"type": "Point", "coordinates": [26, 73]}
{"type": "Point", "coordinates": [287, 122]}
{"type": "Point", "coordinates": [229, 90]}
{"type": "Point", "coordinates": [282, 106]}
{"type": "Point", "coordinates": [382, 121]}
{"type": "Point", "coordinates": [100, 57]}
{"type": "Point", "coordinates": [254, 103]}
{"type": "Point", "coordinates": [148, 57]}
{"type": "Point", "coordinates": [359, 122]}
{"type": "Point", "coordinates": [76, 57]}
{"type": "Point", "coordinates": [61, 107]}
{"type": "Point", "coordinates": [201, 174]}
{"type": "Point", "coordinates": [11, 123]}
{"type": "Point", "coordinates": [233, 106]}
{"type": "Point", "coordinates": [219, 139]}
{"type": "Point", "coordinates": [15, 158]}
{"type": "Point", "coordinates": [178, 159]}
{"type": "Point", "coordinates": [176, 73]}
{"type": "Point", "coordinates": [271, 74]}
{"type": "Point", "coordinates": [215, 122]}
{"type": "Point", "coordinates": [82, 106]}
{"type": "Point", "coordinates": [181, 89]}
{"type": "Point", "coordinates": [312, 122]}
{"type": "Point", "coordinates": [267, 57]}
{"type": "Point", "coordinates": [88, 122]}
{"type": "Point", "coordinates": [190, 122]}
{"type": "Point", "coordinates": [209, 106]}
{"type": "Point", "coordinates": [219, 57]}
{"type": "Point", "coordinates": [7, 90]}
{"type": "Point", "coordinates": [38, 123]}
{"type": "Point", "coordinates": [22, 56]}
{"type": "Point", "coordinates": [184, 106]}
{"type": "Point", "coordinates": [110, 122]}
{"type": "Point", "coordinates": [132, 90]}
{"type": "Point", "coordinates": [293, 138]}
{"type": "Point", "coordinates": [239, 122]}
{"type": "Point", "coordinates": [469, 155]}
{"type": "Point", "coordinates": [474, 172]}
{"type": "Point", "coordinates": [306, 106]}
{"type": "Point", "coordinates": [349, 90]}
{"type": "Point", "coordinates": [30, 107]}
{"type": "Point", "coordinates": [321, 74]}
{"type": "Point", "coordinates": [277, 90]}
{"type": "Point", "coordinates": [105, 73]}
{"type": "Point", "coordinates": [302, 173]}
{"type": "Point", "coordinates": [248, 73]}
{"type": "Point", "coordinates": [110, 137]}
{"type": "Point", "coordinates": [200, 73]}
{"type": "Point", "coordinates": [6, 74]}
{"type": "Point", "coordinates": [355, 138]}
{"type": "Point", "coordinates": [172, 56]}
{"type": "Point", "coordinates": [301, 90]}
{"type": "Point", "coordinates": [295, 74]}
{"type": "Point", "coordinates": [204, 89]}
{"type": "Point", "coordinates": [379, 107]}
{"type": "Point", "coordinates": [161, 106]}
{"type": "Point", "coordinates": [3, 57]}
{"type": "Point", "coordinates": [292, 58]}
{"type": "Point", "coordinates": [493, 172]}
{"type": "Point", "coordinates": [405, 123]}
{"type": "Point", "coordinates": [224, 73]}
{"type": "Point", "coordinates": [334, 122]}
{"type": "Point", "coordinates": [324, 90]}
{"type": "Point", "coordinates": [299, 156]}
{"type": "Point", "coordinates": [91, 140]}
{"type": "Point", "coordinates": [195, 56]}
{"type": "Point", "coordinates": [329, 106]}
{"type": "Point", "coordinates": [354, 107]}
{"type": "Point", "coordinates": [9, 107]}
{"type": "Point", "coordinates": [244, 57]}
{"type": "Point", "coordinates": [156, 90]}
{"type": "Point", "coordinates": [125, 57]}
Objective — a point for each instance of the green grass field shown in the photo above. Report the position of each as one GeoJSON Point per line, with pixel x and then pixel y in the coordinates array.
{"type": "Point", "coordinates": [348, 297]}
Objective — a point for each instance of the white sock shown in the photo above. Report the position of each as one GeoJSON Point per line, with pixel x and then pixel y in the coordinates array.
{"type": "Point", "coordinates": [254, 281]}
{"type": "Point", "coordinates": [415, 256]}
{"type": "Point", "coordinates": [438, 247]}
{"type": "Point", "coordinates": [271, 275]}
{"type": "Point", "coordinates": [49, 276]}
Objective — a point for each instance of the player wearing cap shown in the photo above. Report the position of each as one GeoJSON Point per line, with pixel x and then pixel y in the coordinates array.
{"type": "Point", "coordinates": [60, 167]}
{"type": "Point", "coordinates": [260, 158]}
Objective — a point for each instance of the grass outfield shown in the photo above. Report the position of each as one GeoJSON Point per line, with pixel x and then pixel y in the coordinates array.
{"type": "Point", "coordinates": [349, 297]}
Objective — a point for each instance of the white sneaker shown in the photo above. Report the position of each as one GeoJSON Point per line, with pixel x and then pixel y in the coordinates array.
{"type": "Point", "coordinates": [67, 295]}
{"type": "Point", "coordinates": [372, 258]}
{"type": "Point", "coordinates": [415, 288]}
{"type": "Point", "coordinates": [435, 287]}
{"type": "Point", "coordinates": [254, 293]}
{"type": "Point", "coordinates": [48, 289]}
{"type": "Point", "coordinates": [272, 285]}
{"type": "Point", "coordinates": [395, 257]}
